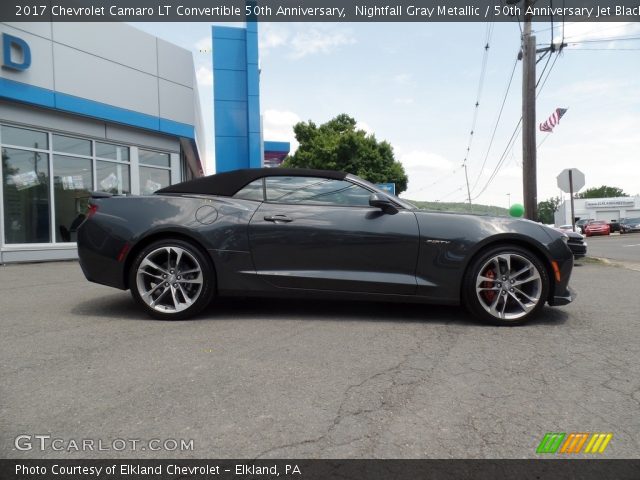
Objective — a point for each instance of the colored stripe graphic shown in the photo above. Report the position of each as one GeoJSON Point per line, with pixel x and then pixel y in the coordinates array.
{"type": "Point", "coordinates": [574, 442]}
{"type": "Point", "coordinates": [550, 443]}
{"type": "Point", "coordinates": [598, 442]}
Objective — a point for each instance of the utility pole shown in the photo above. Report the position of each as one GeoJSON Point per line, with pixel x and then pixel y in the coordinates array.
{"type": "Point", "coordinates": [468, 191]}
{"type": "Point", "coordinates": [509, 195]}
{"type": "Point", "coordinates": [529, 168]}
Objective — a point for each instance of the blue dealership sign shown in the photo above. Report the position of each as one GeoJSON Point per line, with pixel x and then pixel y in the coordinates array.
{"type": "Point", "coordinates": [387, 187]}
{"type": "Point", "coordinates": [10, 42]}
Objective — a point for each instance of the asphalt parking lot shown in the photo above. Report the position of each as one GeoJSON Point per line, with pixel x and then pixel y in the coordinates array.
{"type": "Point", "coordinates": [625, 248]}
{"type": "Point", "coordinates": [283, 379]}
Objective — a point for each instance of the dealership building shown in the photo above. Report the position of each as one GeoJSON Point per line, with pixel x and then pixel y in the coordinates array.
{"type": "Point", "coordinates": [598, 209]}
{"type": "Point", "coordinates": [106, 107]}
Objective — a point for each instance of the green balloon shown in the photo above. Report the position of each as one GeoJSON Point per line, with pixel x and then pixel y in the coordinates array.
{"type": "Point", "coordinates": [516, 210]}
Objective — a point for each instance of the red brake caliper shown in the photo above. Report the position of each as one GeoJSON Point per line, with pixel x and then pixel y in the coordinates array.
{"type": "Point", "coordinates": [489, 295]}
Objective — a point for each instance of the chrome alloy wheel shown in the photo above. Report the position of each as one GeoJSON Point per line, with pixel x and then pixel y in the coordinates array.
{"type": "Point", "coordinates": [508, 286]}
{"type": "Point", "coordinates": [169, 279]}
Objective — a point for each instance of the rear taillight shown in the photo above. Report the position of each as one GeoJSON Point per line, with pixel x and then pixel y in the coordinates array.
{"type": "Point", "coordinates": [91, 211]}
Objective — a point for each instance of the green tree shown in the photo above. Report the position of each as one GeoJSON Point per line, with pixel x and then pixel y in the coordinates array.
{"type": "Point", "coordinates": [339, 145]}
{"type": "Point", "coordinates": [547, 208]}
{"type": "Point", "coordinates": [602, 192]}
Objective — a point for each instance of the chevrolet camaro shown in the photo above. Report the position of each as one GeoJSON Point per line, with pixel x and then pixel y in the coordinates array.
{"type": "Point", "coordinates": [316, 234]}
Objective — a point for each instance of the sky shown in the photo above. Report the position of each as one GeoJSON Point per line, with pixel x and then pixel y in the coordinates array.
{"type": "Point", "coordinates": [415, 85]}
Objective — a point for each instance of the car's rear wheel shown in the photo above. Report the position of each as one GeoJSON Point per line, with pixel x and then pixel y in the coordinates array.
{"type": "Point", "coordinates": [506, 285]}
{"type": "Point", "coordinates": [171, 279]}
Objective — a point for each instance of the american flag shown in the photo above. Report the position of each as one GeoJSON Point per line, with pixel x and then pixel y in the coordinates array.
{"type": "Point", "coordinates": [553, 120]}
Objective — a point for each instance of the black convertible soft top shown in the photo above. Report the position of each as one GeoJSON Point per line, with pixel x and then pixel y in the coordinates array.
{"type": "Point", "coordinates": [228, 183]}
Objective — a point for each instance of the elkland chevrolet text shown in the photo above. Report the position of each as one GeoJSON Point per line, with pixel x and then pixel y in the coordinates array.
{"type": "Point", "coordinates": [321, 234]}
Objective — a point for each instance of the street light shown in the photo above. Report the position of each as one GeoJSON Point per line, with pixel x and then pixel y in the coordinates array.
{"type": "Point", "coordinates": [509, 195]}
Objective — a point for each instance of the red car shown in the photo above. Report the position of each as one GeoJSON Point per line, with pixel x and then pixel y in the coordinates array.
{"type": "Point", "coordinates": [597, 227]}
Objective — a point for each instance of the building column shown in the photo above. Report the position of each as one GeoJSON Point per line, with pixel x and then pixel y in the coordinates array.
{"type": "Point", "coordinates": [134, 176]}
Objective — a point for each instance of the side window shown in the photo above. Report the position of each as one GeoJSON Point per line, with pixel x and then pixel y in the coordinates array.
{"type": "Point", "coordinates": [251, 191]}
{"type": "Point", "coordinates": [316, 191]}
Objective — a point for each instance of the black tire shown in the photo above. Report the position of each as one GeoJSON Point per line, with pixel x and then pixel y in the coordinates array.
{"type": "Point", "coordinates": [515, 292]}
{"type": "Point", "coordinates": [189, 292]}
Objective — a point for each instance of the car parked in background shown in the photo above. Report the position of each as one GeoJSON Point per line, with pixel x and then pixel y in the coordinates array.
{"type": "Point", "coordinates": [614, 225]}
{"type": "Point", "coordinates": [580, 224]}
{"type": "Point", "coordinates": [596, 227]}
{"type": "Point", "coordinates": [575, 241]}
{"type": "Point", "coordinates": [629, 225]}
{"type": "Point", "coordinates": [577, 244]}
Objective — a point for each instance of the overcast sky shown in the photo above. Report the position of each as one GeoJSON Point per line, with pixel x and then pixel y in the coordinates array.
{"type": "Point", "coordinates": [415, 85]}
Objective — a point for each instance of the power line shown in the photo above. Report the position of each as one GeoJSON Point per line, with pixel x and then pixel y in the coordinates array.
{"type": "Point", "coordinates": [547, 77]}
{"type": "Point", "coordinates": [543, 140]}
{"type": "Point", "coordinates": [514, 136]}
{"type": "Point", "coordinates": [517, 19]}
{"type": "Point", "coordinates": [604, 40]}
{"type": "Point", "coordinates": [544, 68]}
{"type": "Point", "coordinates": [448, 194]}
{"type": "Point", "coordinates": [546, 29]}
{"type": "Point", "coordinates": [591, 32]}
{"type": "Point", "coordinates": [483, 71]}
{"type": "Point", "coordinates": [481, 80]}
{"type": "Point", "coordinates": [605, 49]}
{"type": "Point", "coordinates": [495, 127]}
{"type": "Point", "coordinates": [501, 160]}
{"type": "Point", "coordinates": [436, 181]}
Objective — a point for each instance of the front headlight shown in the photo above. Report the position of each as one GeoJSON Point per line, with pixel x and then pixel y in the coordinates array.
{"type": "Point", "coordinates": [565, 238]}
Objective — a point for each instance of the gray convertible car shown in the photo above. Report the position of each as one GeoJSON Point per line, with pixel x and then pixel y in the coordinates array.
{"type": "Point", "coordinates": [316, 234]}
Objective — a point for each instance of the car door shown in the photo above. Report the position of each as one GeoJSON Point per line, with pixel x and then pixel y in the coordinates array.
{"type": "Point", "coordinates": [321, 234]}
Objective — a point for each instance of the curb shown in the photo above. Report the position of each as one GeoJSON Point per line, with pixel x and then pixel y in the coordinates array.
{"type": "Point", "coordinates": [618, 263]}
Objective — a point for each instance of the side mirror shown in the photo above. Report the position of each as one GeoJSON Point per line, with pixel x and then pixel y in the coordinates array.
{"type": "Point", "coordinates": [382, 202]}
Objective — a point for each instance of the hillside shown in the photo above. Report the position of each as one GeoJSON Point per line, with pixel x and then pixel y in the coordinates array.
{"type": "Point", "coordinates": [460, 207]}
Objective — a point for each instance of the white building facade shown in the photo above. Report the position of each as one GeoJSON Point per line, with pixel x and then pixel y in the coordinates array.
{"type": "Point", "coordinates": [87, 107]}
{"type": "Point", "coordinates": [607, 209]}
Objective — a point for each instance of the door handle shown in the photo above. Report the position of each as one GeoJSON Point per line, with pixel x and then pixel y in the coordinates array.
{"type": "Point", "coordinates": [278, 218]}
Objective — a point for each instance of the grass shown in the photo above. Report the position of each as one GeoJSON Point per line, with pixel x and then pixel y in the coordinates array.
{"type": "Point", "coordinates": [593, 261]}
{"type": "Point", "coordinates": [460, 207]}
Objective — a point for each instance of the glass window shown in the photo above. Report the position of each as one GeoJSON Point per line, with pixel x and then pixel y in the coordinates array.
{"type": "Point", "coordinates": [152, 179]}
{"type": "Point", "coordinates": [25, 176]}
{"type": "Point", "coordinates": [148, 157]}
{"type": "Point", "coordinates": [72, 181]}
{"type": "Point", "coordinates": [113, 152]}
{"type": "Point", "coordinates": [251, 191]}
{"type": "Point", "coordinates": [315, 191]}
{"type": "Point", "coordinates": [79, 146]}
{"type": "Point", "coordinates": [113, 177]}
{"type": "Point", "coordinates": [24, 138]}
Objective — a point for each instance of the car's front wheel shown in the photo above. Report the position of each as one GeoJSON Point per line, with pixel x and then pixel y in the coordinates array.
{"type": "Point", "coordinates": [506, 285]}
{"type": "Point", "coordinates": [171, 279]}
